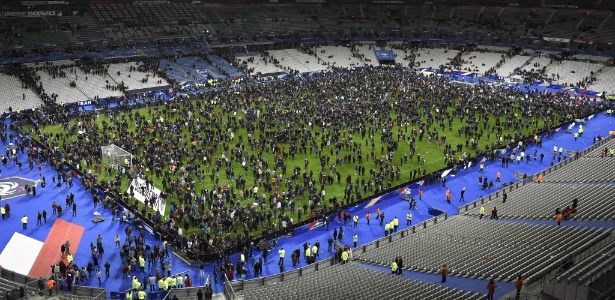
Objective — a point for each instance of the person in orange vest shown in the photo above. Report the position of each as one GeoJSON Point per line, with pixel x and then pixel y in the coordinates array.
{"type": "Point", "coordinates": [448, 196]}
{"type": "Point", "coordinates": [444, 272]}
{"type": "Point", "coordinates": [420, 194]}
{"type": "Point", "coordinates": [50, 285]}
{"type": "Point", "coordinates": [377, 213]}
{"type": "Point", "coordinates": [497, 177]}
{"type": "Point", "coordinates": [367, 217]}
{"type": "Point", "coordinates": [494, 213]}
{"type": "Point", "coordinates": [491, 289]}
{"type": "Point", "coordinates": [519, 285]}
{"type": "Point", "coordinates": [559, 219]}
{"type": "Point", "coordinates": [539, 178]}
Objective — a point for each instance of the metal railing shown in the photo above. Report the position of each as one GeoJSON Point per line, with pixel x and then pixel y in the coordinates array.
{"type": "Point", "coordinates": [530, 178]}
{"type": "Point", "coordinates": [524, 296]}
{"type": "Point", "coordinates": [101, 296]}
{"type": "Point", "coordinates": [231, 287]}
{"type": "Point", "coordinates": [600, 288]}
{"type": "Point", "coordinates": [229, 292]}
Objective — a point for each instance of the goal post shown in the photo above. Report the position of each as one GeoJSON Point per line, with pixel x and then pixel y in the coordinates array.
{"type": "Point", "coordinates": [115, 156]}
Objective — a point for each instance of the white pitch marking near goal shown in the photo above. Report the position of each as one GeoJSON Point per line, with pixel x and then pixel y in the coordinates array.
{"type": "Point", "coordinates": [141, 193]}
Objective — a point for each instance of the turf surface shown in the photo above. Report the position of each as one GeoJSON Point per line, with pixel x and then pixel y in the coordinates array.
{"type": "Point", "coordinates": [433, 154]}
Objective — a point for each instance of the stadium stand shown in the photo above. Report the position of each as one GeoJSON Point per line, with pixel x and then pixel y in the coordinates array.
{"type": "Point", "coordinates": [294, 60]}
{"type": "Point", "coordinates": [589, 269]}
{"type": "Point", "coordinates": [435, 58]}
{"type": "Point", "coordinates": [365, 283]}
{"type": "Point", "coordinates": [512, 247]}
{"type": "Point", "coordinates": [15, 96]}
{"type": "Point", "coordinates": [223, 67]}
{"type": "Point", "coordinates": [586, 276]}
{"type": "Point", "coordinates": [453, 241]}
{"type": "Point", "coordinates": [198, 68]}
{"type": "Point", "coordinates": [83, 28]}
{"type": "Point", "coordinates": [258, 64]}
{"type": "Point", "coordinates": [146, 21]}
{"type": "Point", "coordinates": [536, 63]}
{"type": "Point", "coordinates": [133, 78]}
{"type": "Point", "coordinates": [337, 56]}
{"type": "Point", "coordinates": [480, 63]}
{"type": "Point", "coordinates": [604, 79]}
{"type": "Point", "coordinates": [173, 71]}
{"type": "Point", "coordinates": [584, 170]}
{"type": "Point", "coordinates": [56, 83]}
{"type": "Point", "coordinates": [573, 73]}
{"type": "Point", "coordinates": [366, 53]}
{"type": "Point", "coordinates": [511, 64]}
{"type": "Point", "coordinates": [74, 81]}
{"type": "Point", "coordinates": [30, 31]}
{"type": "Point", "coordinates": [539, 201]}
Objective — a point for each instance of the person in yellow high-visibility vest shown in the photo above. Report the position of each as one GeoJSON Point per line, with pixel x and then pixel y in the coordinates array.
{"type": "Point", "coordinates": [394, 267]}
{"type": "Point", "coordinates": [281, 253]}
{"type": "Point", "coordinates": [355, 239]}
{"type": "Point", "coordinates": [344, 257]}
{"type": "Point", "coordinates": [160, 284]}
{"type": "Point", "coordinates": [136, 284]}
{"type": "Point", "coordinates": [142, 263]}
{"type": "Point", "coordinates": [180, 281]}
{"type": "Point", "coordinates": [165, 284]}
{"type": "Point", "coordinates": [170, 282]}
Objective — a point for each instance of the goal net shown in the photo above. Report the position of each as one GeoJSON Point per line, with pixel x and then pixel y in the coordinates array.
{"type": "Point", "coordinates": [115, 156]}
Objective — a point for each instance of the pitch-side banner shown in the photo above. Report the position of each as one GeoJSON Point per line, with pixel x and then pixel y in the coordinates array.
{"type": "Point", "coordinates": [142, 192]}
{"type": "Point", "coordinates": [30, 13]}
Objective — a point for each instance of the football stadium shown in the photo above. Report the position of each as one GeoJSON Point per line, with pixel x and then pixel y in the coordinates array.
{"type": "Point", "coordinates": [307, 149]}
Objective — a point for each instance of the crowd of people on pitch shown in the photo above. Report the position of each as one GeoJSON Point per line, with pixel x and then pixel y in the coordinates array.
{"type": "Point", "coordinates": [322, 116]}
